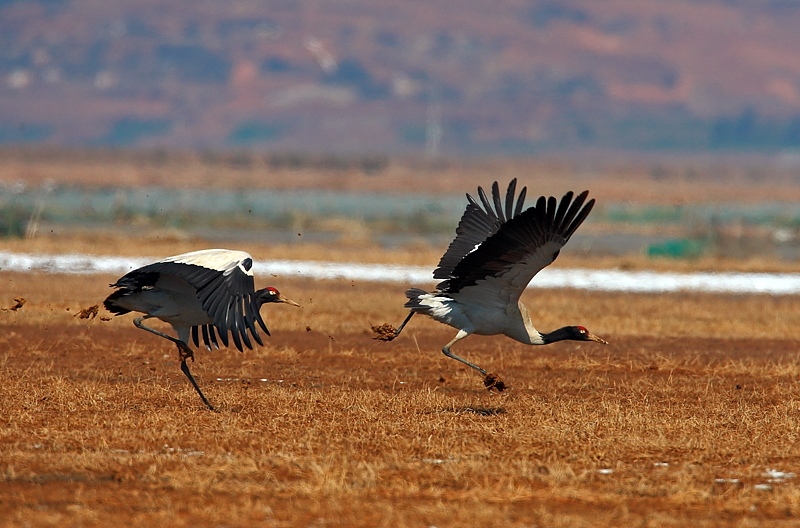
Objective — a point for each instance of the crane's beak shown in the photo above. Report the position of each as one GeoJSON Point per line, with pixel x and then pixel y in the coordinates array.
{"type": "Point", "coordinates": [286, 300]}
{"type": "Point", "coordinates": [592, 337]}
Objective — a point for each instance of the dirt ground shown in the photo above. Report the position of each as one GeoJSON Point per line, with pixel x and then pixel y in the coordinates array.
{"type": "Point", "coordinates": [688, 416]}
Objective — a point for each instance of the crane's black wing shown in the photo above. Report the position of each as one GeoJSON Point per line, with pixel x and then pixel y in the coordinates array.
{"type": "Point", "coordinates": [500, 268]}
{"type": "Point", "coordinates": [479, 223]}
{"type": "Point", "coordinates": [225, 287]}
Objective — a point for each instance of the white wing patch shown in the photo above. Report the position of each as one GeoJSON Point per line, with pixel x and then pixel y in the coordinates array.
{"type": "Point", "coordinates": [438, 306]}
{"type": "Point", "coordinates": [224, 260]}
{"type": "Point", "coordinates": [473, 250]}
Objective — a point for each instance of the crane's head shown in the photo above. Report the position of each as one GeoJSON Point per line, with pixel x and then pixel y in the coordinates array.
{"type": "Point", "coordinates": [270, 294]}
{"type": "Point", "coordinates": [572, 333]}
{"type": "Point", "coordinates": [580, 333]}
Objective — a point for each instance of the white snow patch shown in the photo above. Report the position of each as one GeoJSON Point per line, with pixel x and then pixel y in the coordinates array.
{"type": "Point", "coordinates": [605, 280]}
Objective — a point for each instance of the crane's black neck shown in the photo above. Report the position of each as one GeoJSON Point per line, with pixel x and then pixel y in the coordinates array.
{"type": "Point", "coordinates": [567, 333]}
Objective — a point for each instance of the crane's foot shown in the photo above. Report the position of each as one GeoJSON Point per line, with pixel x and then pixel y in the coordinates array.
{"type": "Point", "coordinates": [493, 382]}
{"type": "Point", "coordinates": [384, 332]}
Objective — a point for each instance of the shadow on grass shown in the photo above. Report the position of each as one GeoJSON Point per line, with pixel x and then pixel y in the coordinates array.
{"type": "Point", "coordinates": [482, 411]}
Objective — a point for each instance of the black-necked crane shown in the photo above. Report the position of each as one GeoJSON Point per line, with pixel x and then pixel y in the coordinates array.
{"type": "Point", "coordinates": [206, 294]}
{"type": "Point", "coordinates": [498, 249]}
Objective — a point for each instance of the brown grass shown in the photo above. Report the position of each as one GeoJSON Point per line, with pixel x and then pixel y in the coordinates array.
{"type": "Point", "coordinates": [675, 422]}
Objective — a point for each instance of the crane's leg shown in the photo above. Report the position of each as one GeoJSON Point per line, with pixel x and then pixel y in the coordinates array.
{"type": "Point", "coordinates": [139, 324]}
{"type": "Point", "coordinates": [404, 323]}
{"type": "Point", "coordinates": [387, 332]}
{"type": "Point", "coordinates": [185, 370]}
{"type": "Point", "coordinates": [183, 351]}
{"type": "Point", "coordinates": [447, 352]}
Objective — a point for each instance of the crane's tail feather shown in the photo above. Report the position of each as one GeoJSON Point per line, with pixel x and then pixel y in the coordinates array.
{"type": "Point", "coordinates": [432, 304]}
{"type": "Point", "coordinates": [415, 297]}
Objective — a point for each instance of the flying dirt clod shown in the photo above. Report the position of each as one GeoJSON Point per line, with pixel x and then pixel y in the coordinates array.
{"type": "Point", "coordinates": [493, 381]}
{"type": "Point", "coordinates": [384, 332]}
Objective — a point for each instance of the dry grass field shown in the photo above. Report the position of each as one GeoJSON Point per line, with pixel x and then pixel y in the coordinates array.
{"type": "Point", "coordinates": [691, 415]}
{"type": "Point", "coordinates": [688, 417]}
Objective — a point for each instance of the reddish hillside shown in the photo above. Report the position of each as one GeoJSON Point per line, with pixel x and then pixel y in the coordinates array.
{"type": "Point", "coordinates": [452, 76]}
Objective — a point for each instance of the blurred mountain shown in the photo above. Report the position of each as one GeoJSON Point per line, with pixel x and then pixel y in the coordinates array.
{"type": "Point", "coordinates": [403, 76]}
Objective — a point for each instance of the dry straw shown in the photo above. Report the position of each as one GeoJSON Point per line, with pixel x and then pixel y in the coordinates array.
{"type": "Point", "coordinates": [678, 421]}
